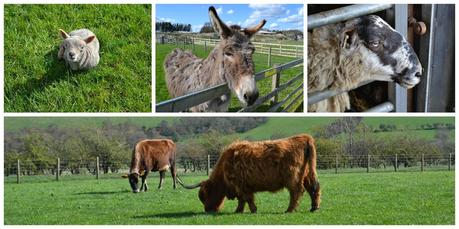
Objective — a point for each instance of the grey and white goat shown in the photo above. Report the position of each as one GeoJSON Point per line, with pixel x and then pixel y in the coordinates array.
{"type": "Point", "coordinates": [80, 49]}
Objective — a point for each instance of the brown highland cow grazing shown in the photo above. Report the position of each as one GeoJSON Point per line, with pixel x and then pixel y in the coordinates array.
{"type": "Point", "coordinates": [151, 155]}
{"type": "Point", "coordinates": [245, 168]}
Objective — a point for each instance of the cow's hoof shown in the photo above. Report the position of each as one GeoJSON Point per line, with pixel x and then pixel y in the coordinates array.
{"type": "Point", "coordinates": [313, 209]}
{"type": "Point", "coordinates": [136, 191]}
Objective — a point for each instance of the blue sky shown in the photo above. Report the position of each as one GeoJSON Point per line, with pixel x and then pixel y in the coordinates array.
{"type": "Point", "coordinates": [279, 17]}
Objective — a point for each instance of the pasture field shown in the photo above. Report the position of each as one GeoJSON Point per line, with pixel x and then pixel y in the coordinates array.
{"type": "Point", "coordinates": [36, 81]}
{"type": "Point", "coordinates": [261, 63]}
{"type": "Point", "coordinates": [403, 198]}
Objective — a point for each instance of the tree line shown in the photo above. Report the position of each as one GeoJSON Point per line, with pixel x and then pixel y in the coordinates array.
{"type": "Point", "coordinates": [172, 27]}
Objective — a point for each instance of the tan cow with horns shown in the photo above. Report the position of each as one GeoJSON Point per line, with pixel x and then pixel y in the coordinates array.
{"type": "Point", "coordinates": [245, 168]}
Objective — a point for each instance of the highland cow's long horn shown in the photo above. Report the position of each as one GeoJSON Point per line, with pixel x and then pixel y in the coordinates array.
{"type": "Point", "coordinates": [251, 31]}
{"type": "Point", "coordinates": [187, 186]}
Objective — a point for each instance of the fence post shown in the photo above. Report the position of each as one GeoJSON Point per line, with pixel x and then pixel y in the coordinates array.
{"type": "Point", "coordinates": [208, 164]}
{"type": "Point", "coordinates": [396, 163]}
{"type": "Point", "coordinates": [205, 46]}
{"type": "Point", "coordinates": [269, 57]}
{"type": "Point", "coordinates": [336, 164]}
{"type": "Point", "coordinates": [422, 162]}
{"type": "Point", "coordinates": [58, 168]}
{"type": "Point", "coordinates": [192, 42]}
{"type": "Point", "coordinates": [184, 43]}
{"type": "Point", "coordinates": [97, 168]}
{"type": "Point", "coordinates": [18, 173]}
{"type": "Point", "coordinates": [296, 51]}
{"type": "Point", "coordinates": [449, 162]}
{"type": "Point", "coordinates": [368, 163]}
{"type": "Point", "coordinates": [275, 84]}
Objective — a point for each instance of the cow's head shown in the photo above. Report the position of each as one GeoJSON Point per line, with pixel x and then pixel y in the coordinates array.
{"type": "Point", "coordinates": [211, 194]}
{"type": "Point", "coordinates": [386, 55]}
{"type": "Point", "coordinates": [133, 181]}
{"type": "Point", "coordinates": [235, 54]}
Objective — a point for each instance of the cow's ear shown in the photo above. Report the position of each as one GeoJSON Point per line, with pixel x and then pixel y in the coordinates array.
{"type": "Point", "coordinates": [142, 173]}
{"type": "Point", "coordinates": [125, 176]}
{"type": "Point", "coordinates": [349, 38]}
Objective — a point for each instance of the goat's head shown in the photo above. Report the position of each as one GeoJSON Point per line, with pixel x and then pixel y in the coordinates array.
{"type": "Point", "coordinates": [74, 46]}
{"type": "Point", "coordinates": [235, 51]}
{"type": "Point", "coordinates": [387, 56]}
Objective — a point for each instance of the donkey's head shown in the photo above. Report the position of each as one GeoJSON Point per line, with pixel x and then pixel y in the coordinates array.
{"type": "Point", "coordinates": [235, 52]}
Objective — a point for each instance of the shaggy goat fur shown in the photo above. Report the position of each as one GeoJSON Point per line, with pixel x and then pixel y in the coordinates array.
{"type": "Point", "coordinates": [245, 168]}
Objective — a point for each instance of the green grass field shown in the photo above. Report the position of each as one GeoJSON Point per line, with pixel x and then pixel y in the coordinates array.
{"type": "Point", "coordinates": [36, 81]}
{"type": "Point", "coordinates": [357, 198]}
{"type": "Point", "coordinates": [261, 63]}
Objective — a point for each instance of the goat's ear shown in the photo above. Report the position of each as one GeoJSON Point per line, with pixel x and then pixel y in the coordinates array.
{"type": "Point", "coordinates": [89, 39]}
{"type": "Point", "coordinates": [349, 38]}
{"type": "Point", "coordinates": [63, 34]}
{"type": "Point", "coordinates": [251, 31]}
{"type": "Point", "coordinates": [218, 25]}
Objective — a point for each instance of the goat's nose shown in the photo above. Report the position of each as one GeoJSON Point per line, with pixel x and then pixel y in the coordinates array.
{"type": "Point", "coordinates": [251, 98]}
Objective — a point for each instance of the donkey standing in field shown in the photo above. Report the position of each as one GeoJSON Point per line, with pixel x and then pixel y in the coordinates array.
{"type": "Point", "coordinates": [229, 62]}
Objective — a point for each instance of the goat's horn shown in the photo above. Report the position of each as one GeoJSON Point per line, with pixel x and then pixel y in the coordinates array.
{"type": "Point", "coordinates": [251, 31]}
{"type": "Point", "coordinates": [187, 186]}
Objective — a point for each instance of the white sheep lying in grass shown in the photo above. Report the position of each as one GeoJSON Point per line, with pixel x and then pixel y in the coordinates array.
{"type": "Point", "coordinates": [80, 49]}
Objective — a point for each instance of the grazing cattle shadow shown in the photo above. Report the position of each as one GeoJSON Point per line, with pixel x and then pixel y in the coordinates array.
{"type": "Point", "coordinates": [102, 193]}
{"type": "Point", "coordinates": [176, 215]}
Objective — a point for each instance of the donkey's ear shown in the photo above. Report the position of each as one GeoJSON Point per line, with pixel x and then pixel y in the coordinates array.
{"type": "Point", "coordinates": [63, 34]}
{"type": "Point", "coordinates": [251, 31]}
{"type": "Point", "coordinates": [218, 25]}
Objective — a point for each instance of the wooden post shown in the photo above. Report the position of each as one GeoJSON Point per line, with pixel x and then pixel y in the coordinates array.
{"type": "Point", "coordinates": [208, 165]}
{"type": "Point", "coordinates": [269, 57]}
{"type": "Point", "coordinates": [368, 164]}
{"type": "Point", "coordinates": [296, 51]}
{"type": "Point", "coordinates": [449, 162]}
{"type": "Point", "coordinates": [58, 168]}
{"type": "Point", "coordinates": [336, 164]}
{"type": "Point", "coordinates": [396, 163]}
{"type": "Point", "coordinates": [97, 168]}
{"type": "Point", "coordinates": [192, 42]}
{"type": "Point", "coordinates": [19, 173]}
{"type": "Point", "coordinates": [205, 46]}
{"type": "Point", "coordinates": [275, 84]}
{"type": "Point", "coordinates": [422, 162]}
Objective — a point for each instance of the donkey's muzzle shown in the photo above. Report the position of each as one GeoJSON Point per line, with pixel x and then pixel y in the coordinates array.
{"type": "Point", "coordinates": [251, 98]}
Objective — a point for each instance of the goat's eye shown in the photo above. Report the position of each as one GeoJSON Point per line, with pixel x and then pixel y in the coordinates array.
{"type": "Point", "coordinates": [373, 44]}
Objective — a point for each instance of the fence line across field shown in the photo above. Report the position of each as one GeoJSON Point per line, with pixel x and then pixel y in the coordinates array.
{"type": "Point", "coordinates": [185, 102]}
{"type": "Point", "coordinates": [188, 164]}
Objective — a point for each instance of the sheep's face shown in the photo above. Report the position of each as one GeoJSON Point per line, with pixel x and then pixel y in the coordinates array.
{"type": "Point", "coordinates": [74, 46]}
{"type": "Point", "coordinates": [386, 54]}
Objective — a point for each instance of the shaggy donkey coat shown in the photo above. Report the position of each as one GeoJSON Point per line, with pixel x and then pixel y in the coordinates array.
{"type": "Point", "coordinates": [245, 168]}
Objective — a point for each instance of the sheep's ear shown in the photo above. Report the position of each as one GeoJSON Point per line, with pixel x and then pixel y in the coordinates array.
{"type": "Point", "coordinates": [349, 38]}
{"type": "Point", "coordinates": [251, 31]}
{"type": "Point", "coordinates": [89, 39]}
{"type": "Point", "coordinates": [63, 34]}
{"type": "Point", "coordinates": [218, 25]}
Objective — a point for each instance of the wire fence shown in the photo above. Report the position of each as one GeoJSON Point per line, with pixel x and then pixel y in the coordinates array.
{"type": "Point", "coordinates": [38, 171]}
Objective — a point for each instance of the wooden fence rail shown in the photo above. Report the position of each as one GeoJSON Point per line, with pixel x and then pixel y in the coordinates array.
{"type": "Point", "coordinates": [185, 102]}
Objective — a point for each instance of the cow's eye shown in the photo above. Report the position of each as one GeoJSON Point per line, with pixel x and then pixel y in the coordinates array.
{"type": "Point", "coordinates": [373, 44]}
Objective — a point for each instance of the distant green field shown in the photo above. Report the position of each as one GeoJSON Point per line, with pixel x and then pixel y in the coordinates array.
{"type": "Point", "coordinates": [260, 60]}
{"type": "Point", "coordinates": [405, 198]}
{"type": "Point", "coordinates": [36, 81]}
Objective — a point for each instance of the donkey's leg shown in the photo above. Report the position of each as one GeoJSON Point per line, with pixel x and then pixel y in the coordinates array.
{"type": "Point", "coordinates": [161, 178]}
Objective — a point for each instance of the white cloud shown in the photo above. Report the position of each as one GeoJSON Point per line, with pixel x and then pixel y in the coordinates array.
{"type": "Point", "coordinates": [288, 12]}
{"type": "Point", "coordinates": [197, 28]}
{"type": "Point", "coordinates": [295, 18]}
{"type": "Point", "coordinates": [264, 11]}
{"type": "Point", "coordinates": [162, 19]}
{"type": "Point", "coordinates": [220, 10]}
{"type": "Point", "coordinates": [230, 11]}
{"type": "Point", "coordinates": [273, 25]}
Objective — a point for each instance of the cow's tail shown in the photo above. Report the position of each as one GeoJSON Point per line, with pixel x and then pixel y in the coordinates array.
{"type": "Point", "coordinates": [311, 180]}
